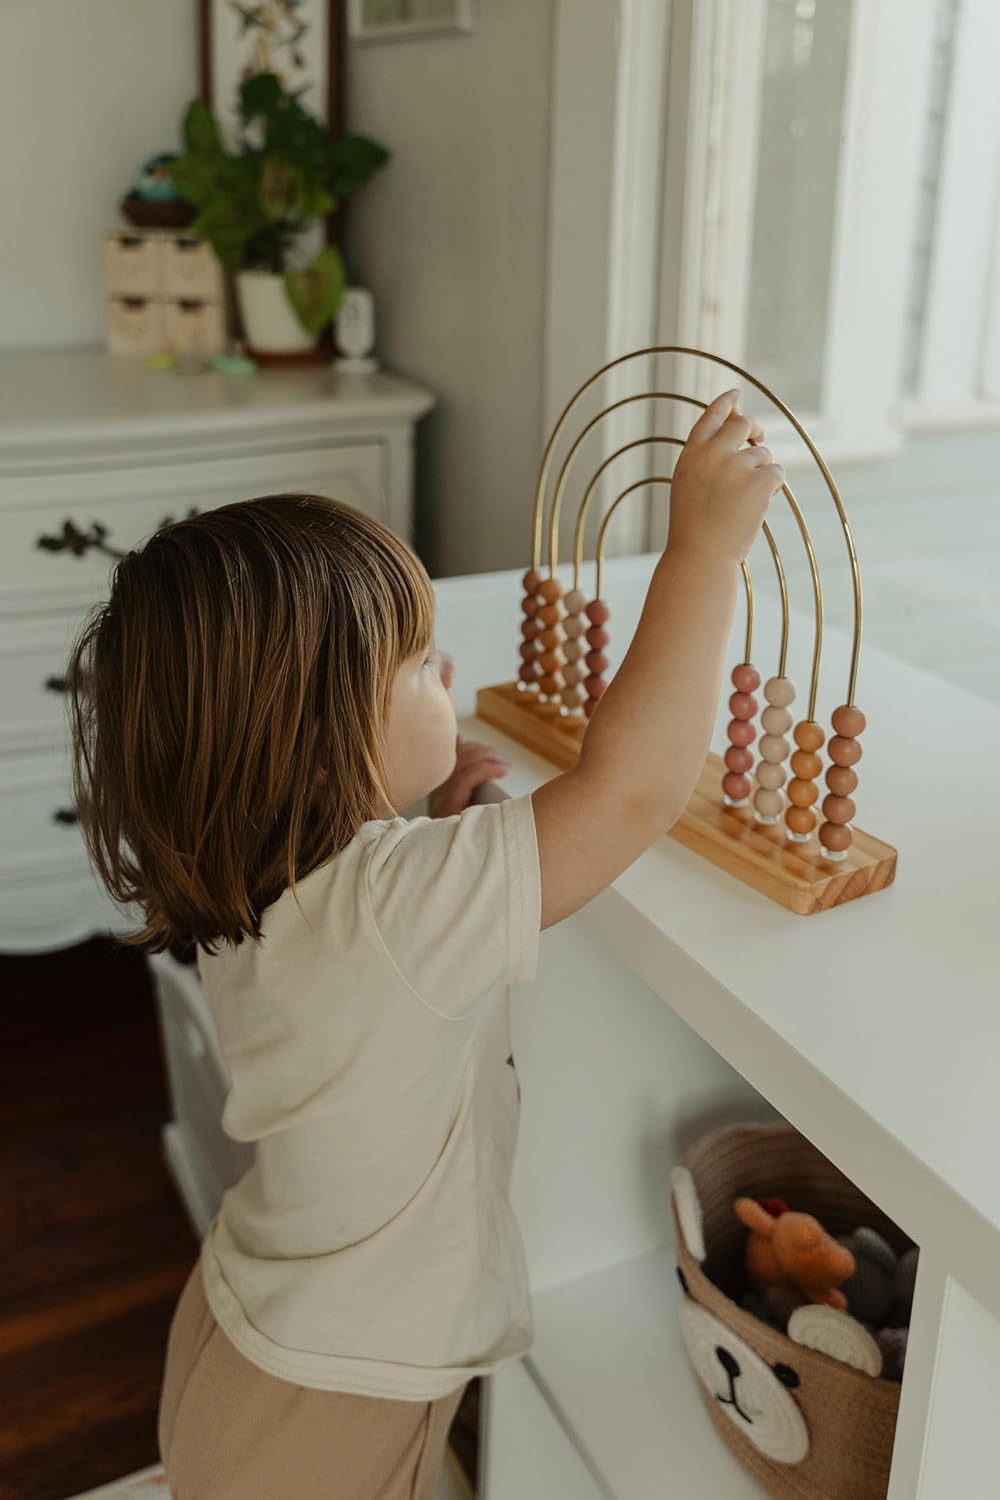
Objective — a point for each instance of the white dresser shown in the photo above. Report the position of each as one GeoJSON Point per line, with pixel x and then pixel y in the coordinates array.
{"type": "Point", "coordinates": [94, 454]}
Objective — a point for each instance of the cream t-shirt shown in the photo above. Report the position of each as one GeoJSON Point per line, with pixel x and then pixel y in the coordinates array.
{"type": "Point", "coordinates": [372, 1247]}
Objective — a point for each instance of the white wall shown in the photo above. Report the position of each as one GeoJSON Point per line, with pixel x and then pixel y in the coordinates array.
{"type": "Point", "coordinates": [451, 239]}
{"type": "Point", "coordinates": [90, 89]}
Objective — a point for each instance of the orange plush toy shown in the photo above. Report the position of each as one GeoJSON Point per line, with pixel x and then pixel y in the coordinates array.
{"type": "Point", "coordinates": [793, 1250]}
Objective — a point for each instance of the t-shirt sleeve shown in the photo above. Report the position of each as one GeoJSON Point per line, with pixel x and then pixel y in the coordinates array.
{"type": "Point", "coordinates": [456, 902]}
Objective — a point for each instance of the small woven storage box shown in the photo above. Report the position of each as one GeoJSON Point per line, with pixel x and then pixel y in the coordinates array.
{"type": "Point", "coordinates": [806, 1425]}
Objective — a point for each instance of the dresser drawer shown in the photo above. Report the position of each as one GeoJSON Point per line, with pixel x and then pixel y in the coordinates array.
{"type": "Point", "coordinates": [38, 829]}
{"type": "Point", "coordinates": [45, 566]}
{"type": "Point", "coordinates": [33, 660]}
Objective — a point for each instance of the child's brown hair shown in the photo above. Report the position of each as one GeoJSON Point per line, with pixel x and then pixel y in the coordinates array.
{"type": "Point", "coordinates": [228, 703]}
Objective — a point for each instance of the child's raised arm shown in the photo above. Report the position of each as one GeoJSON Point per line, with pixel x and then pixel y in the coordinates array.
{"type": "Point", "coordinates": [646, 744]}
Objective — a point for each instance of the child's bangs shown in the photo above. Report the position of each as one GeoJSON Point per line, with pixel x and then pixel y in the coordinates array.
{"type": "Point", "coordinates": [413, 601]}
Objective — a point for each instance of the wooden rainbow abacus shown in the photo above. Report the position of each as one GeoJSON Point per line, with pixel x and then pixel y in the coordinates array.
{"type": "Point", "coordinates": [772, 839]}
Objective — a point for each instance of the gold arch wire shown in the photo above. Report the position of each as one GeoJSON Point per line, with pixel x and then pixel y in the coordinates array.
{"type": "Point", "coordinates": [578, 544]}
{"type": "Point", "coordinates": [657, 349]}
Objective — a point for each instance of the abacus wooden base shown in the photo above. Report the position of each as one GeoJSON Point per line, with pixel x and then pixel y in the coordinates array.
{"type": "Point", "coordinates": [797, 877]}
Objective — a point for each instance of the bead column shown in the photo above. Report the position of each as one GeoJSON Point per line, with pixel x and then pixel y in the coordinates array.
{"type": "Point", "coordinates": [739, 756]}
{"type": "Point", "coordinates": [531, 627]}
{"type": "Point", "coordinates": [597, 659]}
{"type": "Point", "coordinates": [841, 779]}
{"type": "Point", "coordinates": [800, 820]}
{"type": "Point", "coordinates": [574, 649]}
{"type": "Point", "coordinates": [550, 638]}
{"type": "Point", "coordinates": [776, 721]}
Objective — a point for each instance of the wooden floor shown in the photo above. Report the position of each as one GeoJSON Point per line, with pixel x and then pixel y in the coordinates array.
{"type": "Point", "coordinates": [94, 1245]}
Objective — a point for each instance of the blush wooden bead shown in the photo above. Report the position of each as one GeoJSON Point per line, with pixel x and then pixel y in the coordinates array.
{"type": "Point", "coordinates": [738, 759]}
{"type": "Point", "coordinates": [841, 780]}
{"type": "Point", "coordinates": [576, 601]}
{"type": "Point", "coordinates": [745, 678]}
{"type": "Point", "coordinates": [550, 614]}
{"type": "Point", "coordinates": [835, 837]}
{"type": "Point", "coordinates": [530, 606]}
{"type": "Point", "coordinates": [572, 650]}
{"type": "Point", "coordinates": [598, 662]}
{"type": "Point", "coordinates": [768, 803]}
{"type": "Point", "coordinates": [776, 720]}
{"type": "Point", "coordinates": [802, 793]}
{"type": "Point", "coordinates": [550, 661]}
{"type": "Point", "coordinates": [528, 673]}
{"type": "Point", "coordinates": [550, 589]}
{"type": "Point", "coordinates": [550, 684]}
{"type": "Point", "coordinates": [741, 732]}
{"type": "Point", "coordinates": [742, 705]}
{"type": "Point", "coordinates": [595, 686]}
{"type": "Point", "coordinates": [573, 696]}
{"type": "Point", "coordinates": [806, 765]}
{"type": "Point", "coordinates": [844, 752]}
{"type": "Point", "coordinates": [780, 691]}
{"type": "Point", "coordinates": [849, 721]}
{"type": "Point", "coordinates": [598, 638]}
{"type": "Point", "coordinates": [809, 735]}
{"type": "Point", "coordinates": [549, 639]}
{"type": "Point", "coordinates": [573, 627]}
{"type": "Point", "coordinates": [771, 776]}
{"type": "Point", "coordinates": [597, 612]}
{"type": "Point", "coordinates": [573, 673]}
{"type": "Point", "coordinates": [531, 581]}
{"type": "Point", "coordinates": [800, 819]}
{"type": "Point", "coordinates": [529, 629]}
{"type": "Point", "coordinates": [774, 747]}
{"type": "Point", "coordinates": [838, 809]}
{"type": "Point", "coordinates": [736, 788]}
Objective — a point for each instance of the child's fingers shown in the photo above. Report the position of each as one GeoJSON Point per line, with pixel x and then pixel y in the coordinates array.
{"type": "Point", "coordinates": [756, 432]}
{"type": "Point", "coordinates": [712, 418]}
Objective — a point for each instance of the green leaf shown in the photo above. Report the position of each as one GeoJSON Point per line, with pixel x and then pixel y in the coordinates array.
{"type": "Point", "coordinates": [261, 94]}
{"type": "Point", "coordinates": [200, 131]}
{"type": "Point", "coordinates": [353, 161]}
{"type": "Point", "coordinates": [280, 187]}
{"type": "Point", "coordinates": [316, 294]}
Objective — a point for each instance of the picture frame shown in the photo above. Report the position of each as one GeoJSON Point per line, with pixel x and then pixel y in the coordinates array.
{"type": "Point", "coordinates": [406, 20]}
{"type": "Point", "coordinates": [300, 40]}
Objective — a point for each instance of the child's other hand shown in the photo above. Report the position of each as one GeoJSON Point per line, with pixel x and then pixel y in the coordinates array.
{"type": "Point", "coordinates": [474, 765]}
{"type": "Point", "coordinates": [721, 489]}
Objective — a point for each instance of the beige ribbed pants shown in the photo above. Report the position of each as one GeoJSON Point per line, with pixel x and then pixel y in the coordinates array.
{"type": "Point", "coordinates": [231, 1431]}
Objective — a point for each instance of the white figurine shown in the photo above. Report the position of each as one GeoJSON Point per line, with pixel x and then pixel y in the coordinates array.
{"type": "Point", "coordinates": [355, 333]}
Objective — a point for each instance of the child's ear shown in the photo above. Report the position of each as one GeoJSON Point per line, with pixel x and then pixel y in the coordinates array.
{"type": "Point", "coordinates": [755, 1216]}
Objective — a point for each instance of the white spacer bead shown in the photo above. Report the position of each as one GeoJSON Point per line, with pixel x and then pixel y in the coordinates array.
{"type": "Point", "coordinates": [575, 601]}
{"type": "Point", "coordinates": [771, 775]}
{"type": "Point", "coordinates": [774, 748]}
{"type": "Point", "coordinates": [780, 691]}
{"type": "Point", "coordinates": [776, 720]}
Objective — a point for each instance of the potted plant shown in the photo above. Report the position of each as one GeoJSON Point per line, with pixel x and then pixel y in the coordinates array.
{"type": "Point", "coordinates": [261, 208]}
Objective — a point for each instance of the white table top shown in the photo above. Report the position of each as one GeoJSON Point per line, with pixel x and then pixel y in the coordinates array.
{"type": "Point", "coordinates": [875, 1028]}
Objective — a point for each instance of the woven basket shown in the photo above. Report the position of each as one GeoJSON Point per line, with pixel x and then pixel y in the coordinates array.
{"type": "Point", "coordinates": [805, 1425]}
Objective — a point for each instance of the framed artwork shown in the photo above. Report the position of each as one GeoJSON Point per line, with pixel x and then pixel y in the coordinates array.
{"type": "Point", "coordinates": [397, 20]}
{"type": "Point", "coordinates": [299, 40]}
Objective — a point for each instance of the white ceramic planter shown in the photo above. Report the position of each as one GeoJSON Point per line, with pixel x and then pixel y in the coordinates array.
{"type": "Point", "coordinates": [269, 321]}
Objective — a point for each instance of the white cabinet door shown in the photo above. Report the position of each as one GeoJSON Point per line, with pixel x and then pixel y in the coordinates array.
{"type": "Point", "coordinates": [526, 1454]}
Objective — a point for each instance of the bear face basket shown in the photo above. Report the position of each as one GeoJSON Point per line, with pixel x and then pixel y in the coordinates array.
{"type": "Point", "coordinates": [805, 1412]}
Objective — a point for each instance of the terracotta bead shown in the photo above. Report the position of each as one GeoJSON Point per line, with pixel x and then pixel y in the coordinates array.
{"type": "Point", "coordinates": [530, 606]}
{"type": "Point", "coordinates": [838, 809]}
{"type": "Point", "coordinates": [746, 679]}
{"type": "Point", "coordinates": [529, 629]}
{"type": "Point", "coordinates": [771, 776]}
{"type": "Point", "coordinates": [741, 732]}
{"type": "Point", "coordinates": [780, 691]}
{"type": "Point", "coordinates": [572, 650]}
{"type": "Point", "coordinates": [776, 720]}
{"type": "Point", "coordinates": [800, 819]}
{"type": "Point", "coordinates": [531, 581]}
{"type": "Point", "coordinates": [590, 707]}
{"type": "Point", "coordinates": [598, 662]}
{"type": "Point", "coordinates": [844, 752]}
{"type": "Point", "coordinates": [550, 684]}
{"type": "Point", "coordinates": [736, 788]}
{"type": "Point", "coordinates": [769, 804]}
{"type": "Point", "coordinates": [598, 638]}
{"type": "Point", "coordinates": [528, 673]}
{"type": "Point", "coordinates": [550, 614]}
{"type": "Point", "coordinates": [573, 696]}
{"type": "Point", "coordinates": [595, 686]}
{"type": "Point", "coordinates": [550, 661]}
{"type": "Point", "coordinates": [841, 780]}
{"type": "Point", "coordinates": [774, 747]}
{"type": "Point", "coordinates": [806, 765]}
{"type": "Point", "coordinates": [835, 837]}
{"type": "Point", "coordinates": [597, 612]}
{"type": "Point", "coordinates": [549, 639]}
{"type": "Point", "coordinates": [573, 627]}
{"type": "Point", "coordinates": [576, 601]}
{"type": "Point", "coordinates": [550, 589]}
{"type": "Point", "coordinates": [802, 793]}
{"type": "Point", "coordinates": [743, 705]}
{"type": "Point", "coordinates": [849, 721]}
{"type": "Point", "coordinates": [573, 673]}
{"type": "Point", "coordinates": [738, 759]}
{"type": "Point", "coordinates": [809, 735]}
{"type": "Point", "coordinates": [528, 651]}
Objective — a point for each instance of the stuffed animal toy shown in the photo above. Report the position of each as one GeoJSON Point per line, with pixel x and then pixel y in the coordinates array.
{"type": "Point", "coordinates": [793, 1250]}
{"type": "Point", "coordinates": [871, 1291]}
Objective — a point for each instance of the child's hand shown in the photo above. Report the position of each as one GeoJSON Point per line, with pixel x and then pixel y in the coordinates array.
{"type": "Point", "coordinates": [475, 764]}
{"type": "Point", "coordinates": [721, 490]}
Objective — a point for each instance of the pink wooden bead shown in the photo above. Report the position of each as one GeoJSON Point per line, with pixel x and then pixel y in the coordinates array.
{"type": "Point", "coordinates": [743, 705]}
{"type": "Point", "coordinates": [528, 651]}
{"type": "Point", "coordinates": [530, 605]}
{"type": "Point", "coordinates": [737, 788]}
{"type": "Point", "coordinates": [595, 686]}
{"type": "Point", "coordinates": [576, 601]}
{"type": "Point", "coordinates": [528, 673]}
{"type": "Point", "coordinates": [597, 612]}
{"type": "Point", "coordinates": [598, 662]}
{"type": "Point", "coordinates": [741, 732]}
{"type": "Point", "coordinates": [598, 638]}
{"type": "Point", "coordinates": [531, 581]}
{"type": "Point", "coordinates": [739, 759]}
{"type": "Point", "coordinates": [530, 628]}
{"type": "Point", "coordinates": [746, 679]}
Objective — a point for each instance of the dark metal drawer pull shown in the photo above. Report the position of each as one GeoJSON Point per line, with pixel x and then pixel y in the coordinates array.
{"type": "Point", "coordinates": [79, 543]}
{"type": "Point", "coordinates": [57, 684]}
{"type": "Point", "coordinates": [65, 815]}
